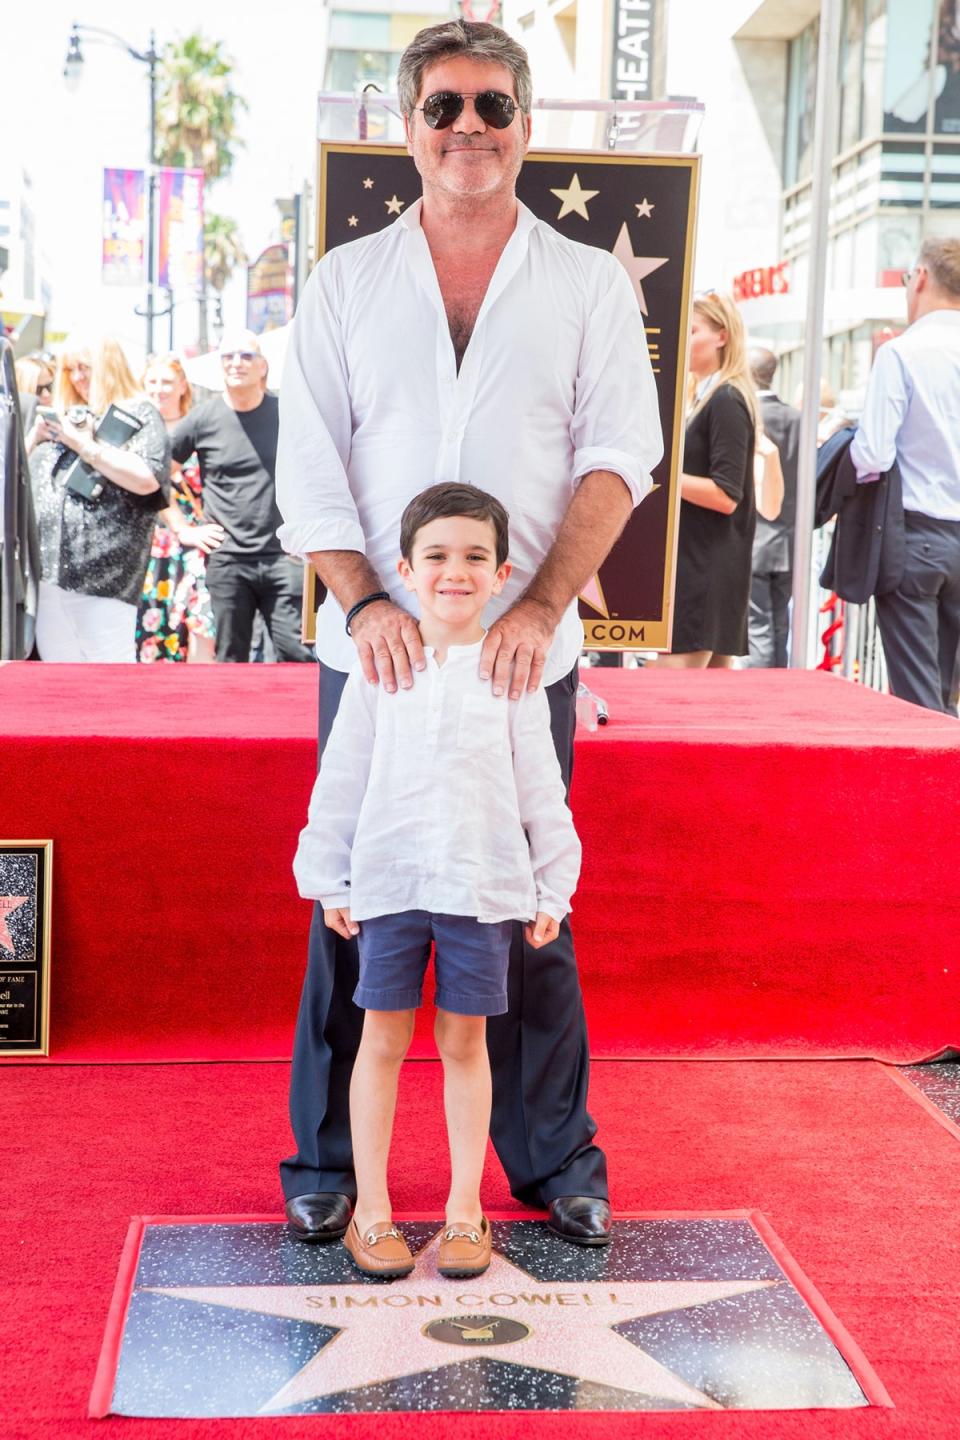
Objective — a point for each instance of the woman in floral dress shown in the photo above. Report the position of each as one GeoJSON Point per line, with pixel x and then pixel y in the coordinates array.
{"type": "Point", "coordinates": [175, 617]}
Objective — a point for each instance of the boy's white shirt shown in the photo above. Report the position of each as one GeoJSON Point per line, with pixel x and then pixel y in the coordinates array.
{"type": "Point", "coordinates": [423, 798]}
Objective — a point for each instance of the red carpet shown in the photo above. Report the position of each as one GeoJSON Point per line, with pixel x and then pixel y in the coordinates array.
{"type": "Point", "coordinates": [862, 1185]}
{"type": "Point", "coordinates": [772, 861]}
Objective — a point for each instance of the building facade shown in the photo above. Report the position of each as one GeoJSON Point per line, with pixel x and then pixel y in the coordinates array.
{"type": "Point", "coordinates": [896, 172]}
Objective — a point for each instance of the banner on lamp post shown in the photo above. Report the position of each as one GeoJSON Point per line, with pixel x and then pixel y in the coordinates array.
{"type": "Point", "coordinates": [180, 238]}
{"type": "Point", "coordinates": [124, 228]}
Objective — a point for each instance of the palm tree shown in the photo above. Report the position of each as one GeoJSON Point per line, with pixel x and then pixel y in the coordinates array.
{"type": "Point", "coordinates": [197, 117]}
{"type": "Point", "coordinates": [222, 250]}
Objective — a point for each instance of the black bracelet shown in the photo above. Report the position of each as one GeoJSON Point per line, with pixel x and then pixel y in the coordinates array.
{"type": "Point", "coordinates": [354, 610]}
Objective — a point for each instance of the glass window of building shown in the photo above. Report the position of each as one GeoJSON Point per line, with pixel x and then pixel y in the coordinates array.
{"type": "Point", "coordinates": [946, 116]}
{"type": "Point", "coordinates": [907, 86]}
{"type": "Point", "coordinates": [851, 74]}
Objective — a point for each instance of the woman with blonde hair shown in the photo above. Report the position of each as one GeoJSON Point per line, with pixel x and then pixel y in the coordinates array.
{"type": "Point", "coordinates": [94, 548]}
{"type": "Point", "coordinates": [175, 615]}
{"type": "Point", "coordinates": [718, 513]}
{"type": "Point", "coordinates": [35, 388]}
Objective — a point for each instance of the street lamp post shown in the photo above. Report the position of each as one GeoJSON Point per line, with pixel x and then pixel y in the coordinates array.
{"type": "Point", "coordinates": [73, 66]}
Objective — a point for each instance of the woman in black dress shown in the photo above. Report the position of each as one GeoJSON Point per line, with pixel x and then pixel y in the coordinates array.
{"type": "Point", "coordinates": [718, 512]}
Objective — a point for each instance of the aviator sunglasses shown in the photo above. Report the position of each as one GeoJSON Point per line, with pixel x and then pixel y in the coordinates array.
{"type": "Point", "coordinates": [493, 107]}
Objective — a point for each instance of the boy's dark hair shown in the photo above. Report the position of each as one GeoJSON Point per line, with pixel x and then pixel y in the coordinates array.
{"type": "Point", "coordinates": [450, 499]}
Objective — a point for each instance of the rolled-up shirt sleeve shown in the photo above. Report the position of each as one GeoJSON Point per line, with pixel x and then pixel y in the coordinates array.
{"type": "Point", "coordinates": [874, 446]}
{"type": "Point", "coordinates": [313, 450]}
{"type": "Point", "coordinates": [616, 422]}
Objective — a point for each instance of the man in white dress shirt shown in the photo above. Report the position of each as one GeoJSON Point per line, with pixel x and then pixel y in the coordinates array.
{"type": "Point", "coordinates": [468, 341]}
{"type": "Point", "coordinates": [911, 415]}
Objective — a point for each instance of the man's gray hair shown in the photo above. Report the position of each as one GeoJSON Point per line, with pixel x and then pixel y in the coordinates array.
{"type": "Point", "coordinates": [763, 366]}
{"type": "Point", "coordinates": [941, 256]}
{"type": "Point", "coordinates": [474, 39]}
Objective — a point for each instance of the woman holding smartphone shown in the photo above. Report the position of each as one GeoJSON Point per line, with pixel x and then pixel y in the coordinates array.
{"type": "Point", "coordinates": [95, 547]}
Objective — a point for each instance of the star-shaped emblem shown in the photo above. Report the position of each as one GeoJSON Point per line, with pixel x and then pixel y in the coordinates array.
{"type": "Point", "coordinates": [352, 221]}
{"type": "Point", "coordinates": [638, 267]}
{"type": "Point", "coordinates": [384, 1329]}
{"type": "Point", "coordinates": [9, 903]}
{"type": "Point", "coordinates": [645, 208]}
{"type": "Point", "coordinates": [394, 206]}
{"type": "Point", "coordinates": [592, 593]}
{"type": "Point", "coordinates": [574, 199]}
{"type": "Point", "coordinates": [368, 183]}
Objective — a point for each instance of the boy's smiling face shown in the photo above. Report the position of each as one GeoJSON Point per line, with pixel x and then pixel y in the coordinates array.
{"type": "Point", "coordinates": [453, 571]}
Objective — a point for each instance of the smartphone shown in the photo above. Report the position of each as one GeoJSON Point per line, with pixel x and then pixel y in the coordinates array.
{"type": "Point", "coordinates": [47, 412]}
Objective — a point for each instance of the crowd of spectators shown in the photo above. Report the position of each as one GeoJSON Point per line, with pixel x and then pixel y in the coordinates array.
{"type": "Point", "coordinates": [162, 546]}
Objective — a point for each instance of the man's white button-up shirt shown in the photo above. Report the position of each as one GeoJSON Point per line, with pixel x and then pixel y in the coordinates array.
{"type": "Point", "coordinates": [555, 382]}
{"type": "Point", "coordinates": [426, 798]}
{"type": "Point", "coordinates": [911, 414]}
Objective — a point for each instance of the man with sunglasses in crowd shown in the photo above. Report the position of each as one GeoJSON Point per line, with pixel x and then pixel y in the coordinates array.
{"type": "Point", "coordinates": [468, 341]}
{"type": "Point", "coordinates": [234, 436]}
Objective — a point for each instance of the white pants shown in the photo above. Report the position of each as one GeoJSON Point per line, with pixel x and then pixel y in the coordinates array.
{"type": "Point", "coordinates": [72, 627]}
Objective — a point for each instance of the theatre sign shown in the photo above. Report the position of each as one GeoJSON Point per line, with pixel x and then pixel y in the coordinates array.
{"type": "Point", "coordinates": [634, 34]}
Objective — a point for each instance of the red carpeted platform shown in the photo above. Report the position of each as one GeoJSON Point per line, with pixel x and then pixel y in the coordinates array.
{"type": "Point", "coordinates": [772, 861]}
{"type": "Point", "coordinates": [858, 1180]}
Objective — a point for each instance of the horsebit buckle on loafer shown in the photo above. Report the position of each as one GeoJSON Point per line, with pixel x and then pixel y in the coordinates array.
{"type": "Point", "coordinates": [392, 1234]}
{"type": "Point", "coordinates": [456, 1234]}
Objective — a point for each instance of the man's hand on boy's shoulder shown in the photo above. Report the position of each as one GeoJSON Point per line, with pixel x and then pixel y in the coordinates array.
{"type": "Point", "coordinates": [389, 645]}
{"type": "Point", "coordinates": [541, 931]}
{"type": "Point", "coordinates": [519, 640]}
{"type": "Point", "coordinates": [339, 920]}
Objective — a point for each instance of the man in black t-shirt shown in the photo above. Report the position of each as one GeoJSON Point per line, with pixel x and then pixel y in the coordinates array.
{"type": "Point", "coordinates": [234, 436]}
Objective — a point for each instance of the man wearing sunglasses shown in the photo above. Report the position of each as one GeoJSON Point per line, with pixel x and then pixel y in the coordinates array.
{"type": "Point", "coordinates": [234, 436]}
{"type": "Point", "coordinates": [468, 341]}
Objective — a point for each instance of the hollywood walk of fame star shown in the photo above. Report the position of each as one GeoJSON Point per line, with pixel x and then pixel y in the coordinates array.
{"type": "Point", "coordinates": [638, 267]}
{"type": "Point", "coordinates": [9, 903]}
{"type": "Point", "coordinates": [352, 221]}
{"type": "Point", "coordinates": [644, 209]}
{"type": "Point", "coordinates": [574, 199]}
{"type": "Point", "coordinates": [368, 183]}
{"type": "Point", "coordinates": [394, 206]}
{"type": "Point", "coordinates": [382, 1329]}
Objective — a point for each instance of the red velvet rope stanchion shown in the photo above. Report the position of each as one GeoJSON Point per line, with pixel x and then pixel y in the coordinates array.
{"type": "Point", "coordinates": [834, 606]}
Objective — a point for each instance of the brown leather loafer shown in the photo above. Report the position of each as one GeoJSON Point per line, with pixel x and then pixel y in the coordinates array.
{"type": "Point", "coordinates": [380, 1250]}
{"type": "Point", "coordinates": [464, 1250]}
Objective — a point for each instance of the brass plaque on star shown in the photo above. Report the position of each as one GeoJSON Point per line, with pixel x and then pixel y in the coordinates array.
{"type": "Point", "coordinates": [642, 209]}
{"type": "Point", "coordinates": [25, 946]}
{"type": "Point", "coordinates": [698, 1312]}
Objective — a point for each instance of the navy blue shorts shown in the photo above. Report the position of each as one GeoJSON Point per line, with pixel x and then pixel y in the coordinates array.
{"type": "Point", "coordinates": [470, 964]}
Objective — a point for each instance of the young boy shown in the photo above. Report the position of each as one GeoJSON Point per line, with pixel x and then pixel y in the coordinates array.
{"type": "Point", "coordinates": [438, 815]}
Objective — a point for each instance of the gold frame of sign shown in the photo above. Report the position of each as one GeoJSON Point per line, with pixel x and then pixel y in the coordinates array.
{"type": "Point", "coordinates": [25, 926]}
{"type": "Point", "coordinates": [643, 209]}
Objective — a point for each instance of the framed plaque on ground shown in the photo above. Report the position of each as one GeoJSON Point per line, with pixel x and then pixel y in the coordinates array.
{"type": "Point", "coordinates": [25, 877]}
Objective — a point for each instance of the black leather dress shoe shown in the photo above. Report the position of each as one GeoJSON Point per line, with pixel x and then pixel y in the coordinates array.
{"type": "Point", "coordinates": [316, 1218]}
{"type": "Point", "coordinates": [583, 1219]}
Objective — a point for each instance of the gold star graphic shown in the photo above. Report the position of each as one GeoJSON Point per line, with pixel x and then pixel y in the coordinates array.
{"type": "Point", "coordinates": [638, 267]}
{"type": "Point", "coordinates": [368, 183]}
{"type": "Point", "coordinates": [394, 206]}
{"type": "Point", "coordinates": [574, 199]}
{"type": "Point", "coordinates": [644, 209]}
{"type": "Point", "coordinates": [352, 221]}
{"type": "Point", "coordinates": [568, 1332]}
